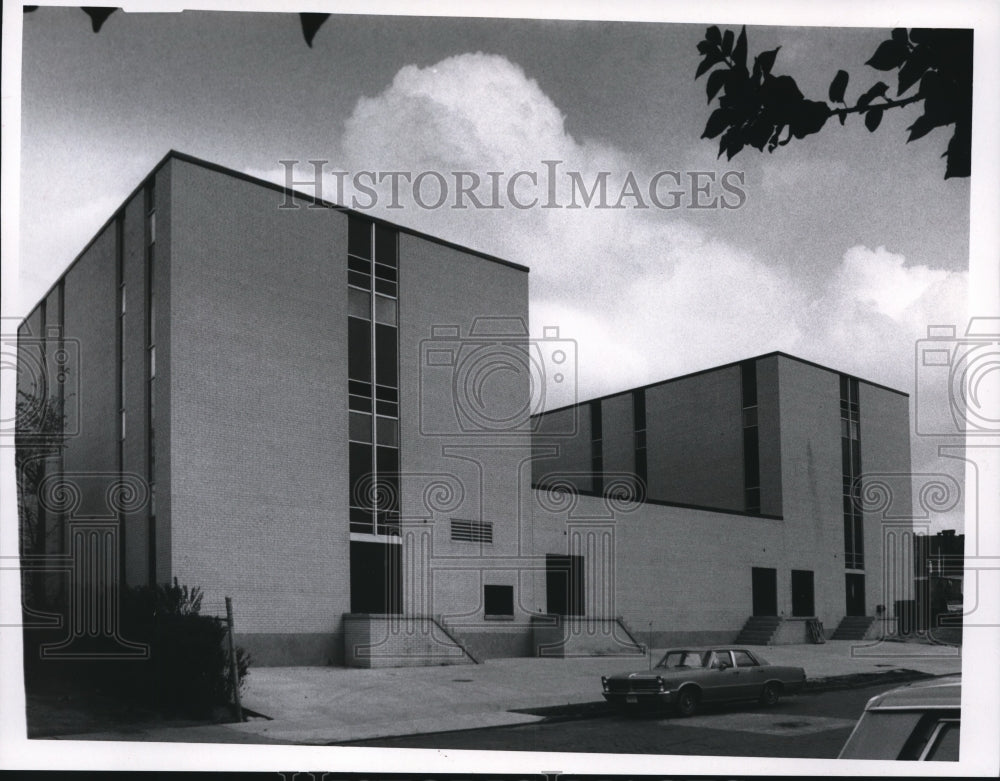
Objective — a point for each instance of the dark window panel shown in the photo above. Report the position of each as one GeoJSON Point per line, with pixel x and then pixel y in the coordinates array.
{"type": "Point", "coordinates": [387, 408]}
{"type": "Point", "coordinates": [359, 349]}
{"type": "Point", "coordinates": [359, 264]}
{"type": "Point", "coordinates": [386, 394]}
{"type": "Point", "coordinates": [359, 403]}
{"type": "Point", "coordinates": [639, 409]}
{"type": "Point", "coordinates": [385, 288]}
{"type": "Point", "coordinates": [498, 600]}
{"type": "Point", "coordinates": [386, 245]}
{"type": "Point", "coordinates": [387, 431]}
{"type": "Point", "coordinates": [748, 383]}
{"type": "Point", "coordinates": [386, 361]}
{"type": "Point", "coordinates": [751, 458]}
{"type": "Point", "coordinates": [387, 273]}
{"type": "Point", "coordinates": [387, 460]}
{"type": "Point", "coordinates": [356, 278]}
{"type": "Point", "coordinates": [359, 470]}
{"type": "Point", "coordinates": [359, 237]}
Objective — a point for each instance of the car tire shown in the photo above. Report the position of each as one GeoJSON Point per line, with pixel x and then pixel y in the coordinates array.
{"type": "Point", "coordinates": [687, 702]}
{"type": "Point", "coordinates": [770, 694]}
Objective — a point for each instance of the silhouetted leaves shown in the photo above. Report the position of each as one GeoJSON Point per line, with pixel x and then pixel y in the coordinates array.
{"type": "Point", "coordinates": [838, 86]}
{"type": "Point", "coordinates": [888, 56]}
{"type": "Point", "coordinates": [99, 15]}
{"type": "Point", "coordinates": [311, 24]}
{"type": "Point", "coordinates": [759, 109]}
{"type": "Point", "coordinates": [873, 118]}
{"type": "Point", "coordinates": [766, 60]}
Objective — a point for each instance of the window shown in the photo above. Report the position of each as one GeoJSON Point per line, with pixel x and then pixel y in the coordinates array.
{"type": "Point", "coordinates": [498, 601]}
{"type": "Point", "coordinates": [639, 420]}
{"type": "Point", "coordinates": [596, 446]}
{"type": "Point", "coordinates": [850, 453]}
{"type": "Point", "coordinates": [150, 370]}
{"type": "Point", "coordinates": [373, 376]}
{"type": "Point", "coordinates": [751, 438]}
{"type": "Point", "coordinates": [743, 659]}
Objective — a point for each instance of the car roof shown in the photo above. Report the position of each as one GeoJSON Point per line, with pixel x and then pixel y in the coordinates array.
{"type": "Point", "coordinates": [702, 648]}
{"type": "Point", "coordinates": [939, 693]}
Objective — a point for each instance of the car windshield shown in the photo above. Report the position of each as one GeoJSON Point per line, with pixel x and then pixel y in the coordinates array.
{"type": "Point", "coordinates": [683, 659]}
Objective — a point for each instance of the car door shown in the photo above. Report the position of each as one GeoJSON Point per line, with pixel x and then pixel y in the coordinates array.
{"type": "Point", "coordinates": [749, 675]}
{"type": "Point", "coordinates": [722, 680]}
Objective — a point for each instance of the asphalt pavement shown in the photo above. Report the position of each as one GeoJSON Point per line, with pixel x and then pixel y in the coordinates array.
{"type": "Point", "coordinates": [323, 705]}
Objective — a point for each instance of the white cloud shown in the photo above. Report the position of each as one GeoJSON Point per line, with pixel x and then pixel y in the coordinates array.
{"type": "Point", "coordinates": [645, 294]}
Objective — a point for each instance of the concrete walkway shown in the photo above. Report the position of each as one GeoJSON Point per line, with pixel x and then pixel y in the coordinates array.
{"type": "Point", "coordinates": [321, 705]}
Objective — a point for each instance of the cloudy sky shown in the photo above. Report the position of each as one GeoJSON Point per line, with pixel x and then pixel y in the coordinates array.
{"type": "Point", "coordinates": [846, 247]}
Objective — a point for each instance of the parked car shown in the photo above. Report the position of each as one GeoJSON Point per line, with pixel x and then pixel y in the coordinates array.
{"type": "Point", "coordinates": [687, 677]}
{"type": "Point", "coordinates": [921, 721]}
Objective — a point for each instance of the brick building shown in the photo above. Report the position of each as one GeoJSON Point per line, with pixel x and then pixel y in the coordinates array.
{"type": "Point", "coordinates": [328, 418]}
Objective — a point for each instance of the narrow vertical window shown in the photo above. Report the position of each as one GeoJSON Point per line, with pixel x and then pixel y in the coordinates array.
{"type": "Point", "coordinates": [751, 437]}
{"type": "Point", "coordinates": [639, 420]}
{"type": "Point", "coordinates": [373, 376]}
{"type": "Point", "coordinates": [151, 370]}
{"type": "Point", "coordinates": [596, 446]}
{"type": "Point", "coordinates": [850, 452]}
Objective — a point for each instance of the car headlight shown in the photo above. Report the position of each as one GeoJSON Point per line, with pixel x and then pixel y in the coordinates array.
{"type": "Point", "coordinates": [604, 682]}
{"type": "Point", "coordinates": [660, 683]}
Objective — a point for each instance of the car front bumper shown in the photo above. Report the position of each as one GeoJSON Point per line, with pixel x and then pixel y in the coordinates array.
{"type": "Point", "coordinates": [639, 699]}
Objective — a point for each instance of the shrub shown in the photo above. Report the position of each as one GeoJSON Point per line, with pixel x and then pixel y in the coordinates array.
{"type": "Point", "coordinates": [188, 665]}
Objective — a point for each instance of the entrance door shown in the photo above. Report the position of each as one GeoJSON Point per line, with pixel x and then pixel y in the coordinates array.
{"type": "Point", "coordinates": [765, 591]}
{"type": "Point", "coordinates": [564, 584]}
{"type": "Point", "coordinates": [376, 578]}
{"type": "Point", "coordinates": [855, 594]}
{"type": "Point", "coordinates": [802, 593]}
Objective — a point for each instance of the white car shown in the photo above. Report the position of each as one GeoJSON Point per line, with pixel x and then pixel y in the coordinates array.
{"type": "Point", "coordinates": [916, 722]}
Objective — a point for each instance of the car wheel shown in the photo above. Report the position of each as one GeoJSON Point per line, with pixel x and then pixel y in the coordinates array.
{"type": "Point", "coordinates": [687, 702]}
{"type": "Point", "coordinates": [770, 694]}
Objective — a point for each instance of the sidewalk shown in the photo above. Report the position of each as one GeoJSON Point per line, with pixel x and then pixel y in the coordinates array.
{"type": "Point", "coordinates": [321, 705]}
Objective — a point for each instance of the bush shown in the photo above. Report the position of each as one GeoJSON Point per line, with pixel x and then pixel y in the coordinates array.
{"type": "Point", "coordinates": [188, 665]}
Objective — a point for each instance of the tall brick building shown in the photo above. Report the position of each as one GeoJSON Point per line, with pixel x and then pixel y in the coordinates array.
{"type": "Point", "coordinates": [328, 418]}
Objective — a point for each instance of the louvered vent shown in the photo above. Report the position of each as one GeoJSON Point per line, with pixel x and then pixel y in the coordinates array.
{"type": "Point", "coordinates": [471, 531]}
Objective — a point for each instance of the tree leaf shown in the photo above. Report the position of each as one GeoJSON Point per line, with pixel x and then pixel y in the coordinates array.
{"type": "Point", "coordinates": [716, 80]}
{"type": "Point", "coordinates": [766, 60]}
{"type": "Point", "coordinates": [889, 54]}
{"type": "Point", "coordinates": [98, 15]}
{"type": "Point", "coordinates": [740, 50]}
{"type": "Point", "coordinates": [920, 128]}
{"type": "Point", "coordinates": [704, 47]}
{"type": "Point", "coordinates": [310, 24]}
{"type": "Point", "coordinates": [873, 118]}
{"type": "Point", "coordinates": [959, 153]}
{"type": "Point", "coordinates": [876, 91]}
{"type": "Point", "coordinates": [727, 43]}
{"type": "Point", "coordinates": [713, 35]}
{"type": "Point", "coordinates": [900, 36]}
{"type": "Point", "coordinates": [706, 64]}
{"type": "Point", "coordinates": [838, 86]}
{"type": "Point", "coordinates": [913, 69]}
{"type": "Point", "coordinates": [717, 122]}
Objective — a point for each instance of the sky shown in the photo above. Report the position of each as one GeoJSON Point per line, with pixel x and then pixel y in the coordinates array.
{"type": "Point", "coordinates": [844, 248]}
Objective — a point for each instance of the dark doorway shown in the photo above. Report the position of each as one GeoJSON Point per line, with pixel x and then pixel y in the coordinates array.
{"type": "Point", "coordinates": [855, 595]}
{"type": "Point", "coordinates": [765, 591]}
{"type": "Point", "coordinates": [802, 593]}
{"type": "Point", "coordinates": [376, 578]}
{"type": "Point", "coordinates": [564, 584]}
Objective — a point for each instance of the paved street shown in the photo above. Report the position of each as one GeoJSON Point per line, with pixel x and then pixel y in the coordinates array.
{"type": "Point", "coordinates": [805, 726]}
